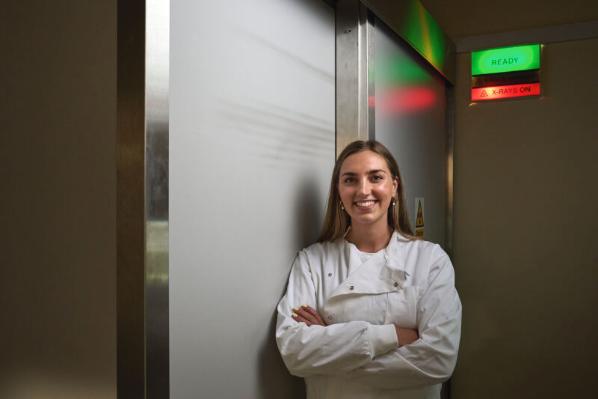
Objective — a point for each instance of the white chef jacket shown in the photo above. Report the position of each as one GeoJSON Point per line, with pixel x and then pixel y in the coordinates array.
{"type": "Point", "coordinates": [360, 295]}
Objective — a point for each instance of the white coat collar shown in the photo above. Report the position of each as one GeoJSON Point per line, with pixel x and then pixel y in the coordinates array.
{"type": "Point", "coordinates": [382, 272]}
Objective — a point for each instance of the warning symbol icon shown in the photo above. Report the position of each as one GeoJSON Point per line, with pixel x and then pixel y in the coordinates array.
{"type": "Point", "coordinates": [484, 94]}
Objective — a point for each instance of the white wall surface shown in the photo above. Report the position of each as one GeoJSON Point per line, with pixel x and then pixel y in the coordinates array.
{"type": "Point", "coordinates": [251, 152]}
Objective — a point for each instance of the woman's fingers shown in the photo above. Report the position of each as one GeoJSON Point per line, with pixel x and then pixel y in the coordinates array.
{"type": "Point", "coordinates": [301, 311]}
{"type": "Point", "coordinates": [406, 336]}
{"type": "Point", "coordinates": [308, 315]}
{"type": "Point", "coordinates": [300, 319]}
{"type": "Point", "coordinates": [315, 314]}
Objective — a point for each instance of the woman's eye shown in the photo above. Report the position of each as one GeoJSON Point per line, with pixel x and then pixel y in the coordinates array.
{"type": "Point", "coordinates": [377, 178]}
{"type": "Point", "coordinates": [348, 180]}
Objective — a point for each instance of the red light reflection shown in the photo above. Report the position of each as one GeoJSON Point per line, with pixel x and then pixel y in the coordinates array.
{"type": "Point", "coordinates": [404, 100]}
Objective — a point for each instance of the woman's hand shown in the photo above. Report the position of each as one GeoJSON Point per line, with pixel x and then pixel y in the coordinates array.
{"type": "Point", "coordinates": [406, 335]}
{"type": "Point", "coordinates": [308, 315]}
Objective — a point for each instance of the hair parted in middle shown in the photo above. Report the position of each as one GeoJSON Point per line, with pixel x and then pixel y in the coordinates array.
{"type": "Point", "coordinates": [337, 221]}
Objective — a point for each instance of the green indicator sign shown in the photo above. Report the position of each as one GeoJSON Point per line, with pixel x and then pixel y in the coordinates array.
{"type": "Point", "coordinates": [505, 59]}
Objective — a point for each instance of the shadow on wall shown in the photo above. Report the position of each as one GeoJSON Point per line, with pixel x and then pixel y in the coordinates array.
{"type": "Point", "coordinates": [309, 213]}
{"type": "Point", "coordinates": [275, 382]}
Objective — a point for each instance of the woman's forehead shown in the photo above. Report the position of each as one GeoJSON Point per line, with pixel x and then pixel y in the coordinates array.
{"type": "Point", "coordinates": [363, 162]}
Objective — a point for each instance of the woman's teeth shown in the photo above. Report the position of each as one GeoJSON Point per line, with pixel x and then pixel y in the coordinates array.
{"type": "Point", "coordinates": [365, 203]}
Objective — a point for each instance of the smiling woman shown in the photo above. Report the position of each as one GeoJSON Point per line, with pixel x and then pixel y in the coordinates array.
{"type": "Point", "coordinates": [366, 189]}
{"type": "Point", "coordinates": [370, 311]}
{"type": "Point", "coordinates": [365, 170]}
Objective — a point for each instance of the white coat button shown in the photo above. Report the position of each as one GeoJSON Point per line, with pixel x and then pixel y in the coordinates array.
{"type": "Point", "coordinates": [329, 274]}
{"type": "Point", "coordinates": [396, 284]}
{"type": "Point", "coordinates": [351, 287]}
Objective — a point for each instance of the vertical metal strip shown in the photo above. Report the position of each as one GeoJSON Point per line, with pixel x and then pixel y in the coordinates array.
{"type": "Point", "coordinates": [370, 26]}
{"type": "Point", "coordinates": [365, 51]}
{"type": "Point", "coordinates": [156, 199]}
{"type": "Point", "coordinates": [142, 199]}
{"type": "Point", "coordinates": [353, 32]}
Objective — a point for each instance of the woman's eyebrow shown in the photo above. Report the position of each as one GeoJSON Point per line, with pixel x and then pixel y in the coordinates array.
{"type": "Point", "coordinates": [369, 172]}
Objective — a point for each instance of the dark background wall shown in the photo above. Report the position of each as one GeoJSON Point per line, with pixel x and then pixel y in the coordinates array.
{"type": "Point", "coordinates": [524, 238]}
{"type": "Point", "coordinates": [57, 207]}
{"type": "Point", "coordinates": [525, 217]}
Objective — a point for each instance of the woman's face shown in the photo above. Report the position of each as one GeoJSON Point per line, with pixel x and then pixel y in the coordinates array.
{"type": "Point", "coordinates": [366, 188]}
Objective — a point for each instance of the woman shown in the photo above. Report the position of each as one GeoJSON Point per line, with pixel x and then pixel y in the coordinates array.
{"type": "Point", "coordinates": [370, 311]}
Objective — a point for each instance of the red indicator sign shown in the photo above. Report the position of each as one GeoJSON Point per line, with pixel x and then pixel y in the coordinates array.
{"type": "Point", "coordinates": [500, 92]}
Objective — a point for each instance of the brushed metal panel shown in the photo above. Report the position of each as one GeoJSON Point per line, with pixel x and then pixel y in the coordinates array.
{"type": "Point", "coordinates": [142, 199]}
{"type": "Point", "coordinates": [411, 121]}
{"type": "Point", "coordinates": [156, 201]}
{"type": "Point", "coordinates": [354, 57]}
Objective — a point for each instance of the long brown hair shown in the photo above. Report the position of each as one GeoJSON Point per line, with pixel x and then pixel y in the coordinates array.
{"type": "Point", "coordinates": [337, 220]}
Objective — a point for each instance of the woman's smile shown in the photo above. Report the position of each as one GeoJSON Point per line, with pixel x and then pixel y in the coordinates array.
{"type": "Point", "coordinates": [365, 204]}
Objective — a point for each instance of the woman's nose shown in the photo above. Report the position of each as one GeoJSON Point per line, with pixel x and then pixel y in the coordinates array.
{"type": "Point", "coordinates": [364, 187]}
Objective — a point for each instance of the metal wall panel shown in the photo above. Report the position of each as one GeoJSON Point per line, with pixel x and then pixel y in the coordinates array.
{"type": "Point", "coordinates": [410, 20]}
{"type": "Point", "coordinates": [252, 140]}
{"type": "Point", "coordinates": [410, 103]}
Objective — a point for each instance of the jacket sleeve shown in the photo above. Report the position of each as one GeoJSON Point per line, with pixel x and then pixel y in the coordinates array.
{"type": "Point", "coordinates": [318, 350]}
{"type": "Point", "coordinates": [431, 359]}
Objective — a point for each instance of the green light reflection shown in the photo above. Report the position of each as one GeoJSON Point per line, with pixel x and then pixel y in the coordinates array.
{"type": "Point", "coordinates": [424, 34]}
{"type": "Point", "coordinates": [399, 69]}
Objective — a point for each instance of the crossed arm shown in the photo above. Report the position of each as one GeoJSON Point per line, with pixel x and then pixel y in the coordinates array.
{"type": "Point", "coordinates": [308, 315]}
{"type": "Point", "coordinates": [385, 356]}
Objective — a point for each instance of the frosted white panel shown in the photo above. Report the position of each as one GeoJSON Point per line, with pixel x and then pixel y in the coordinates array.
{"type": "Point", "coordinates": [251, 151]}
{"type": "Point", "coordinates": [410, 103]}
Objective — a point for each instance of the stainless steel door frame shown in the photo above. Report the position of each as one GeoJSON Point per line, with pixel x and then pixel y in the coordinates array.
{"type": "Point", "coordinates": [142, 199]}
{"type": "Point", "coordinates": [354, 57]}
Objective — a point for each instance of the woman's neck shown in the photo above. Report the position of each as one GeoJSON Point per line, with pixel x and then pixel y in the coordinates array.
{"type": "Point", "coordinates": [369, 238]}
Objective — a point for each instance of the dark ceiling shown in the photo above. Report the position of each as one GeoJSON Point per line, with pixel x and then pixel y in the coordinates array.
{"type": "Point", "coordinates": [462, 18]}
